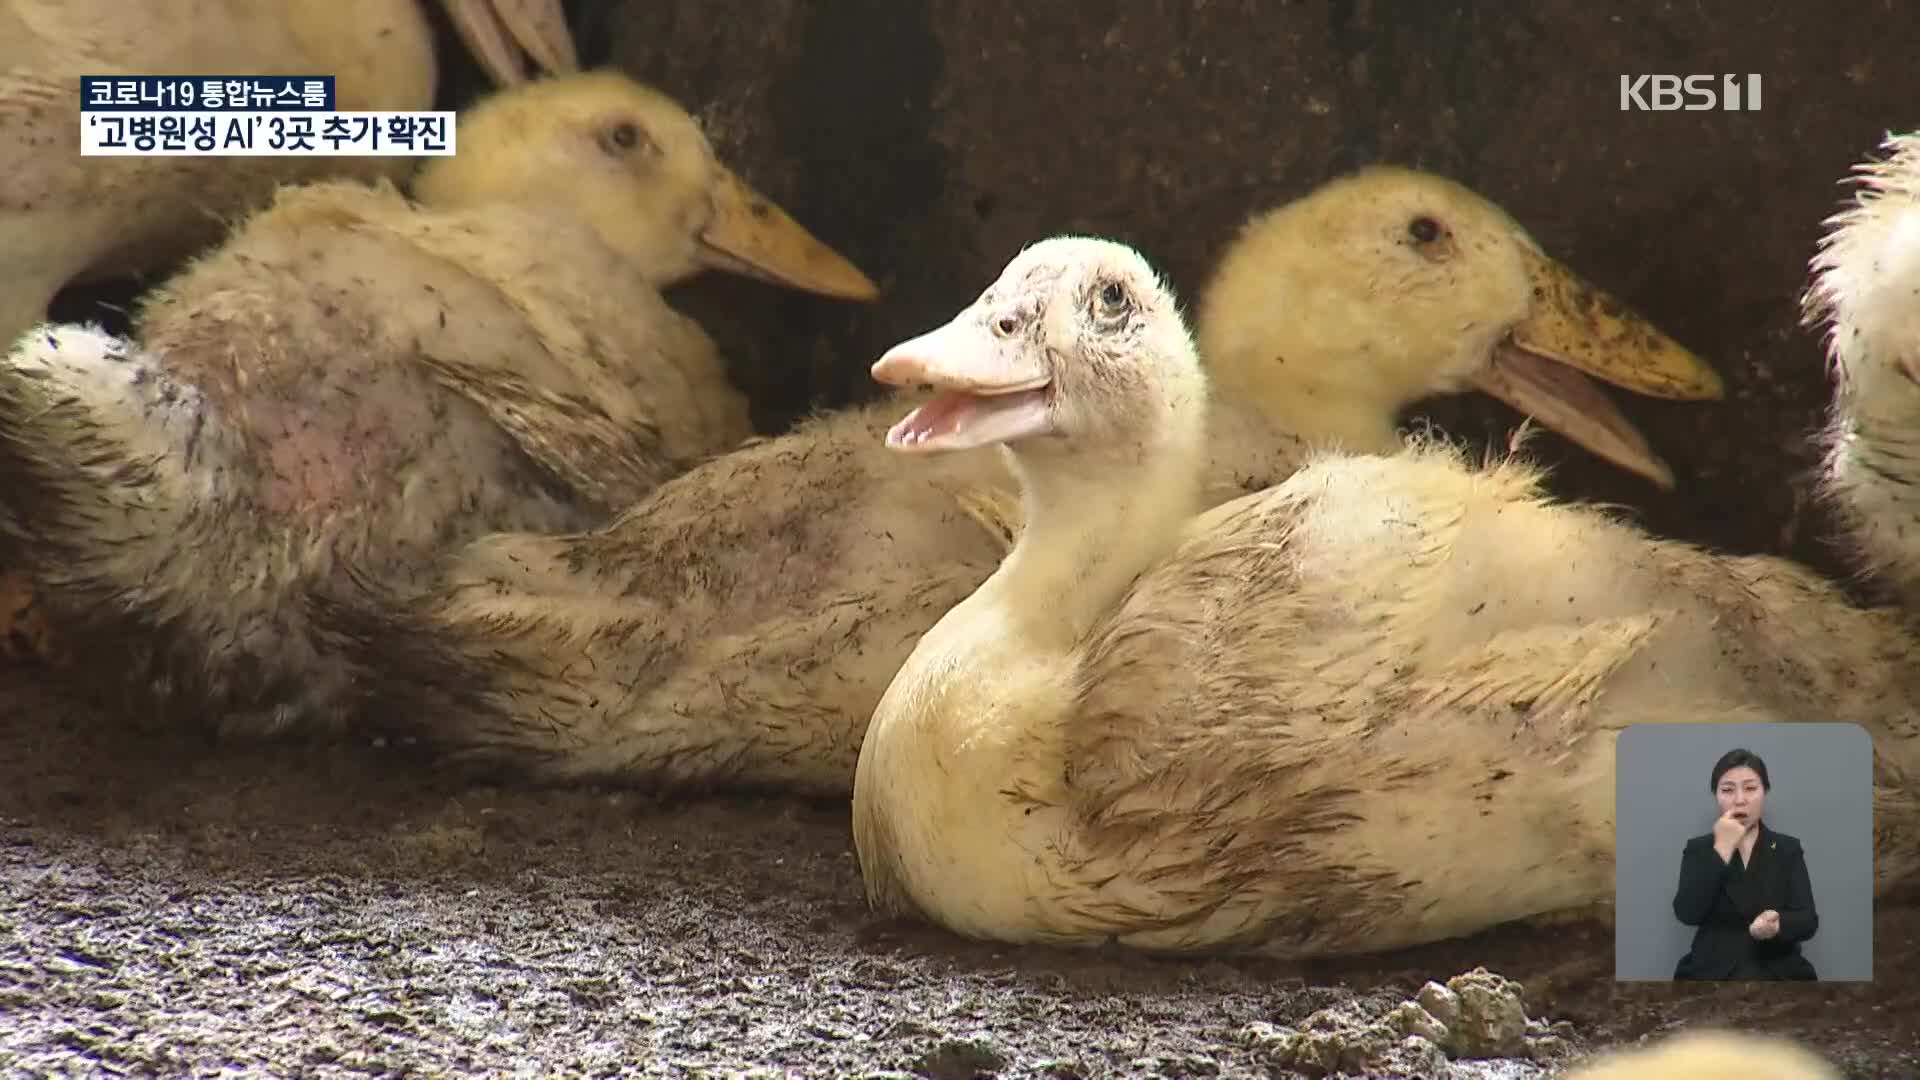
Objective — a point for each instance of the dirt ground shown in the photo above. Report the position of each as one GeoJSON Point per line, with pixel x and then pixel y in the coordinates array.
{"type": "Point", "coordinates": [174, 908]}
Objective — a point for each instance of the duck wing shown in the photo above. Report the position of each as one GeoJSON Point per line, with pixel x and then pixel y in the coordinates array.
{"type": "Point", "coordinates": [570, 436]}
{"type": "Point", "coordinates": [1282, 736]}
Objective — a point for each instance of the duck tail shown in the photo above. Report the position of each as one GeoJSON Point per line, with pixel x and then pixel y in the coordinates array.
{"type": "Point", "coordinates": [466, 689]}
{"type": "Point", "coordinates": [99, 453]}
{"type": "Point", "coordinates": [98, 448]}
{"type": "Point", "coordinates": [515, 664]}
{"type": "Point", "coordinates": [97, 441]}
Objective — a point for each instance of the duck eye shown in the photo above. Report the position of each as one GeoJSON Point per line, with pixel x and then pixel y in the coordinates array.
{"type": "Point", "coordinates": [624, 135]}
{"type": "Point", "coordinates": [1424, 230]}
{"type": "Point", "coordinates": [1113, 297]}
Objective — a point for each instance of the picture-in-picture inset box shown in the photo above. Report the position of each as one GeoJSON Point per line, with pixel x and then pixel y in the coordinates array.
{"type": "Point", "coordinates": [1743, 852]}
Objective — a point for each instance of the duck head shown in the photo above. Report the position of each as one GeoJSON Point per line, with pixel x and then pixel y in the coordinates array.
{"type": "Point", "coordinates": [1077, 344]}
{"type": "Point", "coordinates": [634, 165]}
{"type": "Point", "coordinates": [504, 35]}
{"type": "Point", "coordinates": [1337, 311]}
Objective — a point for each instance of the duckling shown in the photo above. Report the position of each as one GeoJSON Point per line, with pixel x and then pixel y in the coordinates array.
{"type": "Point", "coordinates": [1497, 316]}
{"type": "Point", "coordinates": [1866, 274]}
{"type": "Point", "coordinates": [1708, 1052]}
{"type": "Point", "coordinates": [739, 625]}
{"type": "Point", "coordinates": [1370, 707]}
{"type": "Point", "coordinates": [72, 219]}
{"type": "Point", "coordinates": [357, 380]}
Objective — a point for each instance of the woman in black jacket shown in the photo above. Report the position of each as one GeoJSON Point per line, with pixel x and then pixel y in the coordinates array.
{"type": "Point", "coordinates": [1744, 886]}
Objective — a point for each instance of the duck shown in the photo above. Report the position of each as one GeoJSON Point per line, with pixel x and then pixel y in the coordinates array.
{"type": "Point", "coordinates": [1864, 274]}
{"type": "Point", "coordinates": [71, 219]}
{"type": "Point", "coordinates": [1283, 725]}
{"type": "Point", "coordinates": [736, 628]}
{"type": "Point", "coordinates": [360, 377]}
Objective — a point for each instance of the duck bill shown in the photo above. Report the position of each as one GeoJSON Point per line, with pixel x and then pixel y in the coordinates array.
{"type": "Point", "coordinates": [988, 390]}
{"type": "Point", "coordinates": [502, 33]}
{"type": "Point", "coordinates": [751, 236]}
{"type": "Point", "coordinates": [1584, 328]}
{"type": "Point", "coordinates": [1573, 331]}
{"type": "Point", "coordinates": [1573, 405]}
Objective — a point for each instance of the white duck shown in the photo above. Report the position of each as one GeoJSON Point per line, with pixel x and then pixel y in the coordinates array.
{"type": "Point", "coordinates": [739, 625]}
{"type": "Point", "coordinates": [1371, 707]}
{"type": "Point", "coordinates": [1866, 291]}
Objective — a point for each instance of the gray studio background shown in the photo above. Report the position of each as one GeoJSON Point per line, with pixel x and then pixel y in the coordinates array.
{"type": "Point", "coordinates": [1822, 776]}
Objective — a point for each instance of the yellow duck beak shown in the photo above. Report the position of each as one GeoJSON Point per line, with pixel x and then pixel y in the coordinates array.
{"type": "Point", "coordinates": [1575, 328]}
{"type": "Point", "coordinates": [501, 33]}
{"type": "Point", "coordinates": [750, 235]}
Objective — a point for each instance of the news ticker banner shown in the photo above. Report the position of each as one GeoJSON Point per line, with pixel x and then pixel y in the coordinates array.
{"type": "Point", "coordinates": [245, 116]}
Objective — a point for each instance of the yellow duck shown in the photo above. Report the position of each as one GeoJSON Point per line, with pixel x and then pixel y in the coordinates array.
{"type": "Point", "coordinates": [1287, 723]}
{"type": "Point", "coordinates": [68, 218]}
{"type": "Point", "coordinates": [355, 381]}
{"type": "Point", "coordinates": [740, 624]}
{"type": "Point", "coordinates": [1866, 277]}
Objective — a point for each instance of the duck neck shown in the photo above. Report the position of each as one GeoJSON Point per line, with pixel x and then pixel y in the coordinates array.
{"type": "Point", "coordinates": [1093, 523]}
{"type": "Point", "coordinates": [1871, 449]}
{"type": "Point", "coordinates": [1329, 405]}
{"type": "Point", "coordinates": [1876, 396]}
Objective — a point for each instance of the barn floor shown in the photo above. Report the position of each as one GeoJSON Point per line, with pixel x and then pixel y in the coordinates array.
{"type": "Point", "coordinates": [175, 908]}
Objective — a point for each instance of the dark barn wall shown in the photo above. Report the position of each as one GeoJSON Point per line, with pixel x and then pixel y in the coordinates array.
{"type": "Point", "coordinates": [930, 139]}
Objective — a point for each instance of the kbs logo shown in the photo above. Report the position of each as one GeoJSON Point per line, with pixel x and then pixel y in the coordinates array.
{"type": "Point", "coordinates": [1693, 93]}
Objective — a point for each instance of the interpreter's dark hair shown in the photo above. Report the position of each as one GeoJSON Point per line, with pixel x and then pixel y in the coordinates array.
{"type": "Point", "coordinates": [1733, 759]}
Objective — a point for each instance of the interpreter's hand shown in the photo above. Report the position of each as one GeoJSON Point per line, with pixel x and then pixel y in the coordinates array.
{"type": "Point", "coordinates": [1727, 831]}
{"type": "Point", "coordinates": [1765, 925]}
